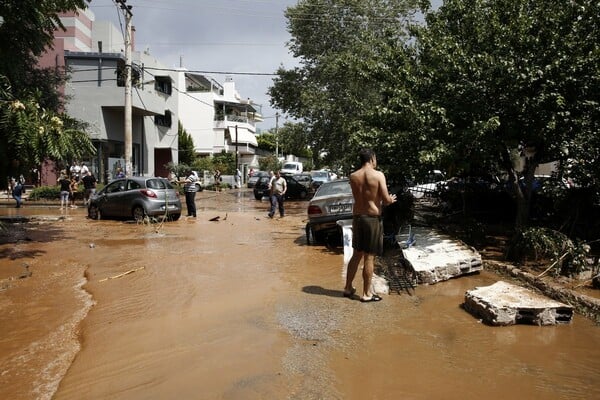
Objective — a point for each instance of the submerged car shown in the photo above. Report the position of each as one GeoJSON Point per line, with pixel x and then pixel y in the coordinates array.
{"type": "Point", "coordinates": [333, 201]}
{"type": "Point", "coordinates": [136, 197]}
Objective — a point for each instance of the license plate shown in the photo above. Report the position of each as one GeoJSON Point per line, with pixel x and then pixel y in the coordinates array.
{"type": "Point", "coordinates": [340, 208]}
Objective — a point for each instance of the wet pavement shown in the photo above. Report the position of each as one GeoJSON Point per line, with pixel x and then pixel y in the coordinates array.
{"type": "Point", "coordinates": [243, 308]}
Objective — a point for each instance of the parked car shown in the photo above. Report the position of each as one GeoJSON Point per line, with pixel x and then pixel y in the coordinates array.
{"type": "Point", "coordinates": [136, 197]}
{"type": "Point", "coordinates": [333, 201]}
{"type": "Point", "coordinates": [319, 177]}
{"type": "Point", "coordinates": [255, 176]}
{"type": "Point", "coordinates": [296, 188]}
{"type": "Point", "coordinates": [433, 182]}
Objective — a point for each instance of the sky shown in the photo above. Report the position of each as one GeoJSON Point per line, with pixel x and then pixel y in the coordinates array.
{"type": "Point", "coordinates": [213, 36]}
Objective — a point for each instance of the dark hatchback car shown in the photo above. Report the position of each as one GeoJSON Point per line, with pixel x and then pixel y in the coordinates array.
{"type": "Point", "coordinates": [255, 177]}
{"type": "Point", "coordinates": [136, 197]}
{"type": "Point", "coordinates": [296, 189]}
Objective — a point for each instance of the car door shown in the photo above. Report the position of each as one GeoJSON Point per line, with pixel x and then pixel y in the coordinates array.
{"type": "Point", "coordinates": [108, 196]}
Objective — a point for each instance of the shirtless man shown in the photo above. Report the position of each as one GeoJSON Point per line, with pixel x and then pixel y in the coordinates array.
{"type": "Point", "coordinates": [370, 194]}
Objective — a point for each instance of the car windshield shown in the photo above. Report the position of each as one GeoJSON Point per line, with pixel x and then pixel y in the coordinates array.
{"type": "Point", "coordinates": [334, 188]}
{"type": "Point", "coordinates": [320, 174]}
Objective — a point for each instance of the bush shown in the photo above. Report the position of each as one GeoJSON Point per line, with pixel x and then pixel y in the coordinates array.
{"type": "Point", "coordinates": [544, 244]}
{"type": "Point", "coordinates": [45, 193]}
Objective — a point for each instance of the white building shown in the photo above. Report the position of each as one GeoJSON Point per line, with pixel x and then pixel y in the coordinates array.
{"type": "Point", "coordinates": [217, 117]}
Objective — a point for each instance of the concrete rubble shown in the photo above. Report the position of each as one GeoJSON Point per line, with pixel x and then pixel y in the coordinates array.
{"type": "Point", "coordinates": [436, 257]}
{"type": "Point", "coordinates": [506, 304]}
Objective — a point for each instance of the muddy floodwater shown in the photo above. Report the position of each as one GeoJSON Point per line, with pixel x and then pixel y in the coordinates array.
{"type": "Point", "coordinates": [243, 308]}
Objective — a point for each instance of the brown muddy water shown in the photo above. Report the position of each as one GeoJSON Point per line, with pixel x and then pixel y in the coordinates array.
{"type": "Point", "coordinates": [242, 308]}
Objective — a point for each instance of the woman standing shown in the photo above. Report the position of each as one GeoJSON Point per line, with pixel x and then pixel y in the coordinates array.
{"type": "Point", "coordinates": [65, 189]}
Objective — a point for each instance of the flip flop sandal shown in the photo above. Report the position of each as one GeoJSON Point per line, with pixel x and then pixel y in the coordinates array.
{"type": "Point", "coordinates": [350, 294]}
{"type": "Point", "coordinates": [371, 299]}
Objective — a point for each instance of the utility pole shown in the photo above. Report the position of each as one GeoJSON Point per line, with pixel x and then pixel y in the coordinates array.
{"type": "Point", "coordinates": [127, 109]}
{"type": "Point", "coordinates": [277, 135]}
{"type": "Point", "coordinates": [236, 147]}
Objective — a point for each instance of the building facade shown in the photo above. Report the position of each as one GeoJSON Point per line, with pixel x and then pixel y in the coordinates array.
{"type": "Point", "coordinates": [218, 118]}
{"type": "Point", "coordinates": [93, 53]}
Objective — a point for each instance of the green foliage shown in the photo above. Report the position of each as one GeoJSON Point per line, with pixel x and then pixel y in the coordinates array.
{"type": "Point", "coordinates": [503, 74]}
{"type": "Point", "coordinates": [203, 164]}
{"type": "Point", "coordinates": [225, 162]}
{"type": "Point", "coordinates": [350, 88]}
{"type": "Point", "coordinates": [294, 139]}
{"type": "Point", "coordinates": [544, 244]}
{"type": "Point", "coordinates": [32, 125]}
{"type": "Point", "coordinates": [267, 141]}
{"type": "Point", "coordinates": [45, 193]}
{"type": "Point", "coordinates": [269, 163]}
{"type": "Point", "coordinates": [187, 154]}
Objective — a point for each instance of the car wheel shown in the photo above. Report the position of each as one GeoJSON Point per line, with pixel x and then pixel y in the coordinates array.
{"type": "Point", "coordinates": [138, 213]}
{"type": "Point", "coordinates": [174, 217]}
{"type": "Point", "coordinates": [303, 194]}
{"type": "Point", "coordinates": [258, 196]}
{"type": "Point", "coordinates": [93, 212]}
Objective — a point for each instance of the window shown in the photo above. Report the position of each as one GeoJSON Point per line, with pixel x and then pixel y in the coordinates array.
{"type": "Point", "coordinates": [163, 120]}
{"type": "Point", "coordinates": [163, 84]}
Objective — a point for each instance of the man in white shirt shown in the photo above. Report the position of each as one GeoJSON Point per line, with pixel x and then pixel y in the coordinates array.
{"type": "Point", "coordinates": [278, 189]}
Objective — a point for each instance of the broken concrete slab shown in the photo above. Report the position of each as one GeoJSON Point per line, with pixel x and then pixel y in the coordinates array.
{"type": "Point", "coordinates": [506, 304]}
{"type": "Point", "coordinates": [436, 257]}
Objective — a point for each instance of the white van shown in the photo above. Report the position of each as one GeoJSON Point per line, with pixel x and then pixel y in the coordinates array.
{"type": "Point", "coordinates": [291, 168]}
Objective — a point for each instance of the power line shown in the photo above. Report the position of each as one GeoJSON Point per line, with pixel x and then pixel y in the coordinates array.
{"type": "Point", "coordinates": [215, 72]}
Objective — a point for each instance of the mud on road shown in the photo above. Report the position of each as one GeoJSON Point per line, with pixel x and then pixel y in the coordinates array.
{"type": "Point", "coordinates": [243, 308]}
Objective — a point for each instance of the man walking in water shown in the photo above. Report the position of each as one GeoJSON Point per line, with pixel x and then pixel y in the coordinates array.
{"type": "Point", "coordinates": [370, 194]}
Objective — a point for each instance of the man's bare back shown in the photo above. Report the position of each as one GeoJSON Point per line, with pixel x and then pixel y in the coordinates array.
{"type": "Point", "coordinates": [369, 189]}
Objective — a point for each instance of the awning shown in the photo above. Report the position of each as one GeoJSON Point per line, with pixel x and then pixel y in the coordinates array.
{"type": "Point", "coordinates": [243, 137]}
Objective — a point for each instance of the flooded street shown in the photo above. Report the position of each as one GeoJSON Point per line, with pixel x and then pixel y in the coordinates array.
{"type": "Point", "coordinates": [242, 308]}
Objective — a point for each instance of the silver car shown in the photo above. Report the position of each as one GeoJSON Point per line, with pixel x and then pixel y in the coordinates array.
{"type": "Point", "coordinates": [136, 197]}
{"type": "Point", "coordinates": [332, 202]}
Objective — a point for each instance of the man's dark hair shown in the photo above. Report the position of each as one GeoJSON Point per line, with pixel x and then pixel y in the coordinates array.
{"type": "Point", "coordinates": [366, 155]}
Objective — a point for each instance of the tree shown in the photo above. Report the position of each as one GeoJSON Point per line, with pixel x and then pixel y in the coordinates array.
{"type": "Point", "coordinates": [32, 134]}
{"type": "Point", "coordinates": [186, 151]}
{"type": "Point", "coordinates": [32, 124]}
{"type": "Point", "coordinates": [267, 141]}
{"type": "Point", "coordinates": [294, 139]}
{"type": "Point", "coordinates": [349, 53]}
{"type": "Point", "coordinates": [506, 75]}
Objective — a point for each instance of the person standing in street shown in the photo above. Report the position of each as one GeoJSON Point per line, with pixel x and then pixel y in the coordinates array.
{"type": "Point", "coordinates": [278, 189]}
{"type": "Point", "coordinates": [65, 189]}
{"type": "Point", "coordinates": [369, 189]}
{"type": "Point", "coordinates": [189, 187]}
{"type": "Point", "coordinates": [89, 186]}
{"type": "Point", "coordinates": [73, 188]}
{"type": "Point", "coordinates": [238, 178]}
{"type": "Point", "coordinates": [17, 191]}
